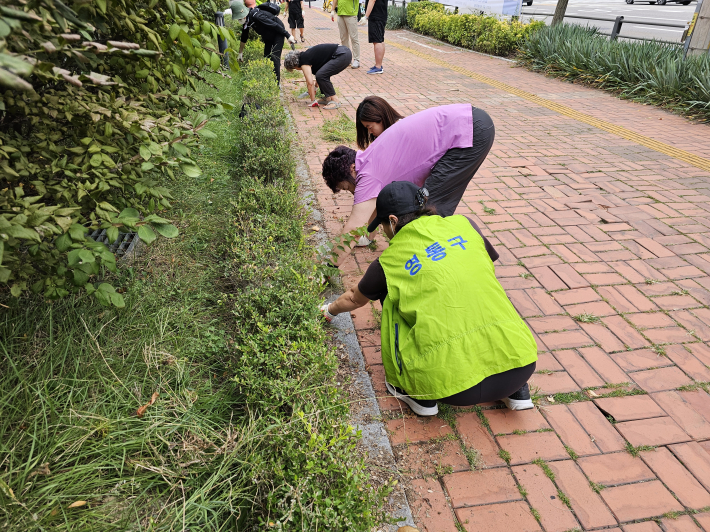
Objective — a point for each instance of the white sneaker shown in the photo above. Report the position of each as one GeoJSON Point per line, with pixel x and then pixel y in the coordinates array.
{"type": "Point", "coordinates": [303, 95]}
{"type": "Point", "coordinates": [355, 64]}
{"type": "Point", "coordinates": [418, 406]}
{"type": "Point", "coordinates": [520, 400]}
{"type": "Point", "coordinates": [362, 242]}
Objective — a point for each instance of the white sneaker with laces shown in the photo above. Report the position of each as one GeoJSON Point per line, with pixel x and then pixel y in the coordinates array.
{"type": "Point", "coordinates": [355, 64]}
{"type": "Point", "coordinates": [520, 400]}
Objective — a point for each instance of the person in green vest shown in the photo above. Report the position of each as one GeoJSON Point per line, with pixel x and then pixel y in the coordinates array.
{"type": "Point", "coordinates": [449, 333]}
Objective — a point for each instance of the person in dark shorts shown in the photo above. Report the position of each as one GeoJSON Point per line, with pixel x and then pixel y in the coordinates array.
{"type": "Point", "coordinates": [449, 332]}
{"type": "Point", "coordinates": [318, 64]}
{"type": "Point", "coordinates": [294, 8]}
{"type": "Point", "coordinates": [264, 21]}
{"type": "Point", "coordinates": [376, 16]}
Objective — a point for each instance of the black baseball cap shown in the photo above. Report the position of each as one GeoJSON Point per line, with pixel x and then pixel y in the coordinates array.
{"type": "Point", "coordinates": [398, 198]}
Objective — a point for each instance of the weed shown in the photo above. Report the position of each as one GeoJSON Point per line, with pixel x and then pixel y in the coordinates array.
{"type": "Point", "coordinates": [561, 495]}
{"type": "Point", "coordinates": [673, 515]}
{"type": "Point", "coordinates": [651, 281]}
{"type": "Point", "coordinates": [535, 514]}
{"type": "Point", "coordinates": [523, 491]}
{"type": "Point", "coordinates": [482, 417]}
{"type": "Point", "coordinates": [487, 210]}
{"type": "Point", "coordinates": [377, 316]}
{"type": "Point", "coordinates": [573, 455]}
{"type": "Point", "coordinates": [544, 372]}
{"type": "Point", "coordinates": [695, 386]}
{"type": "Point", "coordinates": [570, 397]}
{"type": "Point", "coordinates": [504, 455]}
{"type": "Point", "coordinates": [447, 413]}
{"type": "Point", "coordinates": [621, 392]}
{"type": "Point", "coordinates": [473, 456]}
{"type": "Point", "coordinates": [442, 470]}
{"type": "Point", "coordinates": [596, 487]}
{"type": "Point", "coordinates": [679, 293]}
{"type": "Point", "coordinates": [635, 451]}
{"type": "Point", "coordinates": [545, 468]}
{"type": "Point", "coordinates": [659, 350]}
{"type": "Point", "coordinates": [587, 318]}
{"type": "Point", "coordinates": [519, 431]}
{"type": "Point", "coordinates": [526, 275]}
{"type": "Point", "coordinates": [338, 129]}
{"type": "Point", "coordinates": [520, 263]}
{"type": "Point", "coordinates": [544, 430]}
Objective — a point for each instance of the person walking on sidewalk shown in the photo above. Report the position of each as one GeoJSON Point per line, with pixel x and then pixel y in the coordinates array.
{"type": "Point", "coordinates": [376, 17]}
{"type": "Point", "coordinates": [264, 20]}
{"type": "Point", "coordinates": [318, 64]}
{"type": "Point", "coordinates": [448, 332]}
{"type": "Point", "coordinates": [440, 148]}
{"type": "Point", "coordinates": [294, 9]}
{"type": "Point", "coordinates": [347, 11]}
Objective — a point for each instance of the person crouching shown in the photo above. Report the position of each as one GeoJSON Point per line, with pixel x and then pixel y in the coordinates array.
{"type": "Point", "coordinates": [318, 64]}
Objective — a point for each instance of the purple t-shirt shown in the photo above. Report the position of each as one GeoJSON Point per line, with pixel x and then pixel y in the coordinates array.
{"type": "Point", "coordinates": [409, 149]}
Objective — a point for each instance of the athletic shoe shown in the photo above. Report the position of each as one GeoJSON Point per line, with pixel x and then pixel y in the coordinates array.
{"type": "Point", "coordinates": [322, 101]}
{"type": "Point", "coordinates": [355, 64]}
{"type": "Point", "coordinates": [520, 400]}
{"type": "Point", "coordinates": [303, 95]}
{"type": "Point", "coordinates": [375, 70]}
{"type": "Point", "coordinates": [418, 406]}
{"type": "Point", "coordinates": [303, 39]}
{"type": "Point", "coordinates": [332, 105]}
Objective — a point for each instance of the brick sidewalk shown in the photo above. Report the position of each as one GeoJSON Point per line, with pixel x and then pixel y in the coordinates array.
{"type": "Point", "coordinates": [603, 246]}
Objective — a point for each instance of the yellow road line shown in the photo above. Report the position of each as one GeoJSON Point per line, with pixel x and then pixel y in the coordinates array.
{"type": "Point", "coordinates": [661, 147]}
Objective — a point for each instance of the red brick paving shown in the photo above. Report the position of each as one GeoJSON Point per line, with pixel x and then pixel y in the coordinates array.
{"type": "Point", "coordinates": [605, 228]}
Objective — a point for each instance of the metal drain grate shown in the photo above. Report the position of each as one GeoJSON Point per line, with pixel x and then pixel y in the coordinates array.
{"type": "Point", "coordinates": [124, 244]}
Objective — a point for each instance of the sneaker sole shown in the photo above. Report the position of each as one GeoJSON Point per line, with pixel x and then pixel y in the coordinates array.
{"type": "Point", "coordinates": [380, 72]}
{"type": "Point", "coordinates": [415, 407]}
{"type": "Point", "coordinates": [518, 404]}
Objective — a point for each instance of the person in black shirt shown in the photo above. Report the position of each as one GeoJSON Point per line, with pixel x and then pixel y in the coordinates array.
{"type": "Point", "coordinates": [263, 19]}
{"type": "Point", "coordinates": [376, 17]}
{"type": "Point", "coordinates": [318, 64]}
{"type": "Point", "coordinates": [294, 8]}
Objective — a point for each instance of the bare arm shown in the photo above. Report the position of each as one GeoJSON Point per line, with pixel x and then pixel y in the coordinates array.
{"type": "Point", "coordinates": [310, 81]}
{"type": "Point", "coordinates": [370, 5]}
{"type": "Point", "coordinates": [350, 300]}
{"type": "Point", "coordinates": [335, 10]}
{"type": "Point", "coordinates": [362, 214]}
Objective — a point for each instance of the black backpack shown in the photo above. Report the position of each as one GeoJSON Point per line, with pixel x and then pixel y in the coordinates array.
{"type": "Point", "coordinates": [270, 7]}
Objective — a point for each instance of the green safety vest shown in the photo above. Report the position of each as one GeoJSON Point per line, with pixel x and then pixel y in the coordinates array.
{"type": "Point", "coordinates": [446, 321]}
{"type": "Point", "coordinates": [348, 8]}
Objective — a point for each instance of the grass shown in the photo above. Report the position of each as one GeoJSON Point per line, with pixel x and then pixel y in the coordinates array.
{"type": "Point", "coordinates": [694, 387]}
{"type": "Point", "coordinates": [597, 488]}
{"type": "Point", "coordinates": [561, 495]}
{"type": "Point", "coordinates": [504, 455]}
{"type": "Point", "coordinates": [487, 210]}
{"type": "Point", "coordinates": [587, 318]}
{"type": "Point", "coordinates": [648, 72]}
{"type": "Point", "coordinates": [339, 129]}
{"type": "Point", "coordinates": [572, 454]}
{"type": "Point", "coordinates": [571, 397]}
{"type": "Point", "coordinates": [221, 322]}
{"type": "Point", "coordinates": [545, 468]}
{"type": "Point", "coordinates": [635, 451]}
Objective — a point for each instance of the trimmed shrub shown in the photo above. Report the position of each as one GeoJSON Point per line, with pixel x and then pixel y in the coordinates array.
{"type": "Point", "coordinates": [396, 17]}
{"type": "Point", "coordinates": [482, 33]}
{"type": "Point", "coordinates": [99, 108]}
{"type": "Point", "coordinates": [645, 71]}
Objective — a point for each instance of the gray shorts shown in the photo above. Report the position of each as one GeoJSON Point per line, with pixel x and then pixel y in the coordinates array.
{"type": "Point", "coordinates": [453, 172]}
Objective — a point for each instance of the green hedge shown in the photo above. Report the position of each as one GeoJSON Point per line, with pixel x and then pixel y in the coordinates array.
{"type": "Point", "coordinates": [645, 71]}
{"type": "Point", "coordinates": [481, 33]}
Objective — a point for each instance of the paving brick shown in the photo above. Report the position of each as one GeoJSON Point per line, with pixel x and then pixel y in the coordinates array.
{"type": "Point", "coordinates": [657, 249]}
{"type": "Point", "coordinates": [603, 337]}
{"type": "Point", "coordinates": [683, 523]}
{"type": "Point", "coordinates": [587, 505]}
{"type": "Point", "coordinates": [596, 308]}
{"type": "Point", "coordinates": [688, 363]}
{"type": "Point", "coordinates": [473, 488]}
{"type": "Point", "coordinates": [573, 297]}
{"type": "Point", "coordinates": [640, 359]}
{"type": "Point", "coordinates": [547, 362]}
{"type": "Point", "coordinates": [523, 304]}
{"type": "Point", "coordinates": [476, 436]}
{"type": "Point", "coordinates": [644, 526]}
{"type": "Point", "coordinates": [639, 501]}
{"type": "Point", "coordinates": [544, 301]}
{"type": "Point", "coordinates": [524, 448]}
{"type": "Point", "coordinates": [695, 459]}
{"type": "Point", "coordinates": [654, 431]}
{"type": "Point", "coordinates": [565, 340]}
{"type": "Point", "coordinates": [615, 468]}
{"type": "Point", "coordinates": [704, 520]}
{"type": "Point", "coordinates": [504, 421]}
{"type": "Point", "coordinates": [676, 302]}
{"type": "Point", "coordinates": [630, 408]}
{"type": "Point", "coordinates": [425, 459]}
{"type": "Point", "coordinates": [597, 426]}
{"type": "Point", "coordinates": [650, 320]}
{"type": "Point", "coordinates": [373, 355]}
{"type": "Point", "coordinates": [552, 323]}
{"type": "Point", "coordinates": [677, 478]}
{"type": "Point", "coordinates": [602, 363]}
{"type": "Point", "coordinates": [699, 400]}
{"type": "Point", "coordinates": [674, 335]}
{"type": "Point", "coordinates": [548, 279]}
{"type": "Point", "coordinates": [701, 352]}
{"type": "Point", "coordinates": [658, 380]}
{"type": "Point", "coordinates": [619, 302]}
{"type": "Point", "coordinates": [542, 495]}
{"type": "Point", "coordinates": [578, 369]}
{"type": "Point", "coordinates": [683, 413]}
{"type": "Point", "coordinates": [558, 382]}
{"type": "Point", "coordinates": [498, 518]}
{"type": "Point", "coordinates": [625, 332]}
{"type": "Point", "coordinates": [570, 277]}
{"type": "Point", "coordinates": [414, 430]}
{"type": "Point", "coordinates": [569, 430]}
{"type": "Point", "coordinates": [692, 323]}
{"type": "Point", "coordinates": [429, 507]}
{"type": "Point", "coordinates": [636, 298]}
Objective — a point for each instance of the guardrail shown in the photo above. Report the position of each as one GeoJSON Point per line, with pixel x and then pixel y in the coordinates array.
{"type": "Point", "coordinates": [618, 23]}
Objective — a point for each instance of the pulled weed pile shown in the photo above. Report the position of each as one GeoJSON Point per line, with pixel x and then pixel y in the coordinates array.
{"type": "Point", "coordinates": [648, 72]}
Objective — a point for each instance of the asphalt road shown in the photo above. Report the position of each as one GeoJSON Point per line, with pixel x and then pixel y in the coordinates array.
{"type": "Point", "coordinates": [640, 10]}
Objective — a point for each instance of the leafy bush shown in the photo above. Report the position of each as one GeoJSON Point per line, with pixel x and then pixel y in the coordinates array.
{"type": "Point", "coordinates": [396, 17]}
{"type": "Point", "coordinates": [99, 109]}
{"type": "Point", "coordinates": [646, 71]}
{"type": "Point", "coordinates": [482, 33]}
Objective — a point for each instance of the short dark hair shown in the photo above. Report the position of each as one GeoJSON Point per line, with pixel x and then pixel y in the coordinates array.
{"type": "Point", "coordinates": [373, 109]}
{"type": "Point", "coordinates": [336, 167]}
{"type": "Point", "coordinates": [407, 218]}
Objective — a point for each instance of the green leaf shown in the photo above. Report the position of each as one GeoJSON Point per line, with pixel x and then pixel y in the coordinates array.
{"type": "Point", "coordinates": [174, 30]}
{"type": "Point", "coordinates": [129, 213]}
{"type": "Point", "coordinates": [63, 243]}
{"type": "Point", "coordinates": [17, 231]}
{"type": "Point", "coordinates": [96, 160]}
{"type": "Point", "coordinates": [206, 133]}
{"type": "Point", "coordinates": [80, 278]}
{"type": "Point", "coordinates": [4, 274]}
{"type": "Point", "coordinates": [117, 300]}
{"type": "Point", "coordinates": [86, 256]}
{"type": "Point", "coordinates": [146, 234]}
{"type": "Point", "coordinates": [147, 166]}
{"type": "Point", "coordinates": [112, 234]}
{"type": "Point", "coordinates": [185, 40]}
{"type": "Point", "coordinates": [167, 230]}
{"type": "Point", "coordinates": [171, 8]}
{"type": "Point", "coordinates": [191, 170]}
{"type": "Point", "coordinates": [16, 290]}
{"type": "Point", "coordinates": [2, 250]}
{"type": "Point", "coordinates": [215, 61]}
{"type": "Point", "coordinates": [145, 152]}
{"type": "Point", "coordinates": [101, 4]}
{"type": "Point", "coordinates": [77, 232]}
{"type": "Point", "coordinates": [155, 149]}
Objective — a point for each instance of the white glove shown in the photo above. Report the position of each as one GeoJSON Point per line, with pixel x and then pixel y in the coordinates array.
{"type": "Point", "coordinates": [227, 12]}
{"type": "Point", "coordinates": [240, 57]}
{"type": "Point", "coordinates": [326, 315]}
{"type": "Point", "coordinates": [364, 20]}
{"type": "Point", "coordinates": [362, 242]}
{"type": "Point", "coordinates": [292, 39]}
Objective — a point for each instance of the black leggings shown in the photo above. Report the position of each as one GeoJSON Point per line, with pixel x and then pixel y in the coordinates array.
{"type": "Point", "coordinates": [336, 64]}
{"type": "Point", "coordinates": [493, 388]}
{"type": "Point", "coordinates": [272, 50]}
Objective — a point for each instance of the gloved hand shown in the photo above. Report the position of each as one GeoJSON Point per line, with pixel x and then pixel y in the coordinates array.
{"type": "Point", "coordinates": [326, 315]}
{"type": "Point", "coordinates": [362, 242]}
{"type": "Point", "coordinates": [314, 103]}
{"type": "Point", "coordinates": [240, 57]}
{"type": "Point", "coordinates": [363, 20]}
{"type": "Point", "coordinates": [332, 17]}
{"type": "Point", "coordinates": [292, 39]}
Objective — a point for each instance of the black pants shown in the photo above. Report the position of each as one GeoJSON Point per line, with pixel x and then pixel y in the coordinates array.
{"type": "Point", "coordinates": [272, 50]}
{"type": "Point", "coordinates": [493, 388]}
{"type": "Point", "coordinates": [453, 172]}
{"type": "Point", "coordinates": [342, 57]}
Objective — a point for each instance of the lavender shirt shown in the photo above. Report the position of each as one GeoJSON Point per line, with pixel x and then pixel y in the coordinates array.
{"type": "Point", "coordinates": [409, 149]}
